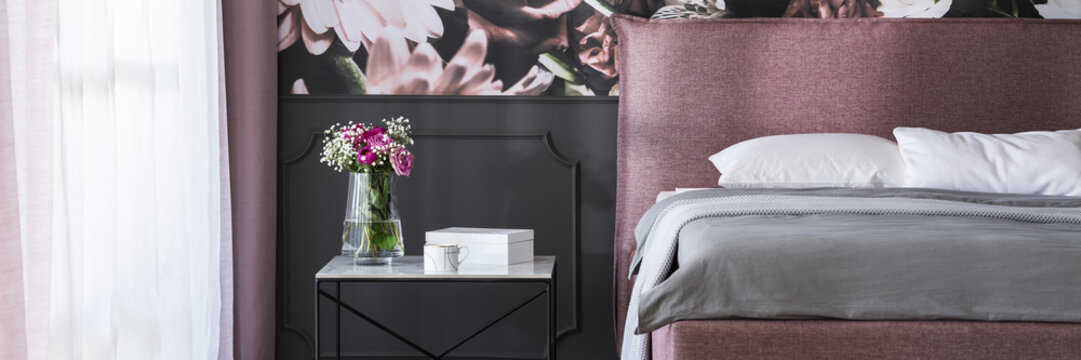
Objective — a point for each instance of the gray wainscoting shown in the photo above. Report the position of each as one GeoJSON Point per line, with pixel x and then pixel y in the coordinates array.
{"type": "Point", "coordinates": [514, 162]}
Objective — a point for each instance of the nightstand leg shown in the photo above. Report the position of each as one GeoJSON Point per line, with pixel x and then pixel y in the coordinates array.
{"type": "Point", "coordinates": [551, 328]}
{"type": "Point", "coordinates": [552, 316]}
{"type": "Point", "coordinates": [338, 322]}
{"type": "Point", "coordinates": [317, 312]}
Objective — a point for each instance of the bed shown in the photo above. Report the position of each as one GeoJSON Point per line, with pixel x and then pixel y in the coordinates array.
{"type": "Point", "coordinates": [692, 87]}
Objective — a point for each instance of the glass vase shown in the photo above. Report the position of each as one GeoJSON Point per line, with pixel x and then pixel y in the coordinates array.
{"type": "Point", "coordinates": [372, 230]}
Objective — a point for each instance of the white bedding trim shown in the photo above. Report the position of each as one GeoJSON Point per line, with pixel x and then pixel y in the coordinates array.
{"type": "Point", "coordinates": [667, 194]}
{"type": "Point", "coordinates": [660, 247]}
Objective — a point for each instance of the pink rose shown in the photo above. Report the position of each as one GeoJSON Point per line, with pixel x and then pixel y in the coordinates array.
{"type": "Point", "coordinates": [377, 137]}
{"type": "Point", "coordinates": [402, 161]}
{"type": "Point", "coordinates": [366, 156]}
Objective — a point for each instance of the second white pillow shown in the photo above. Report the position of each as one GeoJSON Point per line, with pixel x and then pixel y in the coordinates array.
{"type": "Point", "coordinates": [1037, 162]}
{"type": "Point", "coordinates": [810, 160]}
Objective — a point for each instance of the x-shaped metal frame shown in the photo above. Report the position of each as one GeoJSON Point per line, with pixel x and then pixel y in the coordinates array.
{"type": "Point", "coordinates": [549, 289]}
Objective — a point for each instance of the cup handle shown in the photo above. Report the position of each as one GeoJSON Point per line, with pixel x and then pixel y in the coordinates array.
{"type": "Point", "coordinates": [462, 258]}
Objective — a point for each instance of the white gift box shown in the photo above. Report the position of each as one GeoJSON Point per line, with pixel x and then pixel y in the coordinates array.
{"type": "Point", "coordinates": [487, 246]}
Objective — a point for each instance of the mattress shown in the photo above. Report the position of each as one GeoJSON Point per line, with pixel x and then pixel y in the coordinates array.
{"type": "Point", "coordinates": [856, 254]}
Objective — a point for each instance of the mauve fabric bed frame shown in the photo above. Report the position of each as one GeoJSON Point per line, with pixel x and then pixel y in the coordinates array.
{"type": "Point", "coordinates": [692, 87]}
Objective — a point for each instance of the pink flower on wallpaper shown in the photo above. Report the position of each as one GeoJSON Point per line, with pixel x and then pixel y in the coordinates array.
{"type": "Point", "coordinates": [395, 69]}
{"type": "Point", "coordinates": [597, 47]}
{"type": "Point", "coordinates": [356, 22]}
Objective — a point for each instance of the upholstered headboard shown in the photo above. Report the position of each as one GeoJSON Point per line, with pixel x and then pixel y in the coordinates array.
{"type": "Point", "coordinates": [692, 87]}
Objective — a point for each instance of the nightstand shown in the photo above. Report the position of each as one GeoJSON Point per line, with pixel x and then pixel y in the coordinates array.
{"type": "Point", "coordinates": [410, 269]}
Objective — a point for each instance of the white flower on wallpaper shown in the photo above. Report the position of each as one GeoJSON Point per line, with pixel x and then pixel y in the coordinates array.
{"type": "Point", "coordinates": [1060, 9]}
{"type": "Point", "coordinates": [356, 22]}
{"type": "Point", "coordinates": [395, 69]}
{"type": "Point", "coordinates": [914, 8]}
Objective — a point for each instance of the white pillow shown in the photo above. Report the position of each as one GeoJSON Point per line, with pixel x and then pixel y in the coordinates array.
{"type": "Point", "coordinates": [1038, 162]}
{"type": "Point", "coordinates": [810, 160]}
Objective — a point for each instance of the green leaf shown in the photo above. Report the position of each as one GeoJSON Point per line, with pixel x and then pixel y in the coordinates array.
{"type": "Point", "coordinates": [383, 237]}
{"type": "Point", "coordinates": [601, 7]}
{"type": "Point", "coordinates": [377, 198]}
{"type": "Point", "coordinates": [350, 72]}
{"type": "Point", "coordinates": [559, 68]}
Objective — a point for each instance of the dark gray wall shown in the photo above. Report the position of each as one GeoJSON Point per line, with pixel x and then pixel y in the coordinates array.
{"type": "Point", "coordinates": [520, 162]}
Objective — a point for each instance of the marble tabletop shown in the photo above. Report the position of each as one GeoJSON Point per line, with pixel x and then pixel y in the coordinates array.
{"type": "Point", "coordinates": [412, 268]}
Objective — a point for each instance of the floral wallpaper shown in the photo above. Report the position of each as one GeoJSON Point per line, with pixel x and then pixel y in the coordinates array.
{"type": "Point", "coordinates": [450, 47]}
{"type": "Point", "coordinates": [528, 47]}
{"type": "Point", "coordinates": [1060, 9]}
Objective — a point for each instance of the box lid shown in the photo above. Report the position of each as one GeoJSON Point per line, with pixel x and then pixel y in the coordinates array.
{"type": "Point", "coordinates": [465, 235]}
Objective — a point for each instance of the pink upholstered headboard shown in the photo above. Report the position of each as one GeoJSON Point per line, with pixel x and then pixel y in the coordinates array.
{"type": "Point", "coordinates": [692, 87]}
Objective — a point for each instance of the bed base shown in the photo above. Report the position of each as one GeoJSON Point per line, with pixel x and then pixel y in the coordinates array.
{"type": "Point", "coordinates": [838, 339]}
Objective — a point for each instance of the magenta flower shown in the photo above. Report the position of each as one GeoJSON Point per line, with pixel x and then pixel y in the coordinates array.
{"type": "Point", "coordinates": [377, 137]}
{"type": "Point", "coordinates": [402, 161]}
{"type": "Point", "coordinates": [367, 156]}
{"type": "Point", "coordinates": [357, 129]}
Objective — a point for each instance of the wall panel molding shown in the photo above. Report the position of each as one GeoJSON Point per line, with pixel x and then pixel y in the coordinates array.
{"type": "Point", "coordinates": [574, 135]}
{"type": "Point", "coordinates": [545, 138]}
{"type": "Point", "coordinates": [449, 99]}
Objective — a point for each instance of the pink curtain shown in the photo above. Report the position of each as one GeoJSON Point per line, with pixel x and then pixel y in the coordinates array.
{"type": "Point", "coordinates": [251, 67]}
{"type": "Point", "coordinates": [227, 315]}
{"type": "Point", "coordinates": [27, 82]}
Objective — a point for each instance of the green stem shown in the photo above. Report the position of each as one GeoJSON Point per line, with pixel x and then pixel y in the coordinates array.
{"type": "Point", "coordinates": [348, 70]}
{"type": "Point", "coordinates": [345, 234]}
{"type": "Point", "coordinates": [601, 7]}
{"type": "Point", "coordinates": [373, 209]}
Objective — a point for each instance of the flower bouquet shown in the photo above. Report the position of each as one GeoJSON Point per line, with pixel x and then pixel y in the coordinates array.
{"type": "Point", "coordinates": [371, 230]}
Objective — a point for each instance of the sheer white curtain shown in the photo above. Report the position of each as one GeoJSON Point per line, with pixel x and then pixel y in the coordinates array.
{"type": "Point", "coordinates": [141, 218]}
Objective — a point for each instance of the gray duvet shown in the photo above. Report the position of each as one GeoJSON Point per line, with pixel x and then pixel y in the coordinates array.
{"type": "Point", "coordinates": [872, 265]}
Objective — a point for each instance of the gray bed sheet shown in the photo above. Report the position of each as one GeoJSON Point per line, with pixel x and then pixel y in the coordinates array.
{"type": "Point", "coordinates": [870, 267]}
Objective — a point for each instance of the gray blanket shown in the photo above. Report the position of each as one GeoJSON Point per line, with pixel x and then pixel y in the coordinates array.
{"type": "Point", "coordinates": [870, 266]}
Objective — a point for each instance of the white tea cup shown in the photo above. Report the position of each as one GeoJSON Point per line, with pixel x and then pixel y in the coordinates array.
{"type": "Point", "coordinates": [443, 257]}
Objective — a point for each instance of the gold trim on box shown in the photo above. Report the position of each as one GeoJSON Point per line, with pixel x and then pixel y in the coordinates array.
{"type": "Point", "coordinates": [440, 245]}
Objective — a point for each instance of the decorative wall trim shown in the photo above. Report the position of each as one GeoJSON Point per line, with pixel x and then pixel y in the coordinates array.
{"type": "Point", "coordinates": [576, 200]}
{"type": "Point", "coordinates": [545, 137]}
{"type": "Point", "coordinates": [283, 246]}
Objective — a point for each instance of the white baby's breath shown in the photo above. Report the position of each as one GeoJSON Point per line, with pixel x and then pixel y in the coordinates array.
{"type": "Point", "coordinates": [399, 129]}
{"type": "Point", "coordinates": [338, 152]}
